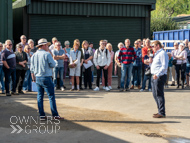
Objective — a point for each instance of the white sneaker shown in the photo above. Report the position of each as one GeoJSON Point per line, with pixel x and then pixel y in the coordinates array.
{"type": "Point", "coordinates": [150, 90]}
{"type": "Point", "coordinates": [62, 89]}
{"type": "Point", "coordinates": [107, 89]}
{"type": "Point", "coordinates": [96, 89]}
{"type": "Point", "coordinates": [141, 90]}
{"type": "Point", "coordinates": [70, 83]}
{"type": "Point", "coordinates": [100, 83]}
{"type": "Point", "coordinates": [55, 88]}
{"type": "Point", "coordinates": [104, 87]}
{"type": "Point", "coordinates": [110, 87]}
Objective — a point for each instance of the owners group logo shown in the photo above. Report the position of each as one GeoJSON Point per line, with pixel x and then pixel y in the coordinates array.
{"type": "Point", "coordinates": [29, 124]}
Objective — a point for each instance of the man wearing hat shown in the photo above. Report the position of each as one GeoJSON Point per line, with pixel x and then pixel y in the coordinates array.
{"type": "Point", "coordinates": [41, 70]}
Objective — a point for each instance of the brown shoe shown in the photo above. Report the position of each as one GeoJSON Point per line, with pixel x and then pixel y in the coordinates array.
{"type": "Point", "coordinates": [139, 87]}
{"type": "Point", "coordinates": [155, 114]}
{"type": "Point", "coordinates": [132, 87]}
{"type": "Point", "coordinates": [58, 118]}
{"type": "Point", "coordinates": [72, 89]}
{"type": "Point", "coordinates": [159, 116]}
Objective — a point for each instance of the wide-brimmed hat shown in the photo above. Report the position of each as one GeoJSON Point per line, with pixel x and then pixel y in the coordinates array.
{"type": "Point", "coordinates": [43, 41]}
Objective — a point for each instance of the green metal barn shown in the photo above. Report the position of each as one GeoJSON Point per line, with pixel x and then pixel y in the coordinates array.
{"type": "Point", "coordinates": [91, 20]}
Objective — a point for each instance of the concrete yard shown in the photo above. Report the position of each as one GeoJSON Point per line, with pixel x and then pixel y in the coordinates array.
{"type": "Point", "coordinates": [97, 117]}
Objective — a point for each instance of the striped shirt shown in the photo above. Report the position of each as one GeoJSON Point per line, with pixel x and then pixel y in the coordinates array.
{"type": "Point", "coordinates": [9, 57]}
{"type": "Point", "coordinates": [127, 56]}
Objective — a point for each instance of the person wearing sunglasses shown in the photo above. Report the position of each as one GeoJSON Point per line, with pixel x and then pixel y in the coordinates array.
{"type": "Point", "coordinates": [9, 67]}
{"type": "Point", "coordinates": [21, 67]}
{"type": "Point", "coordinates": [28, 78]}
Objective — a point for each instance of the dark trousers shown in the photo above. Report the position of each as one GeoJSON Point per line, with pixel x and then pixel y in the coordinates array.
{"type": "Point", "coordinates": [10, 73]}
{"type": "Point", "coordinates": [142, 71]}
{"type": "Point", "coordinates": [181, 68]}
{"type": "Point", "coordinates": [158, 93]}
{"type": "Point", "coordinates": [87, 77]}
{"type": "Point", "coordinates": [105, 76]}
{"type": "Point", "coordinates": [20, 75]}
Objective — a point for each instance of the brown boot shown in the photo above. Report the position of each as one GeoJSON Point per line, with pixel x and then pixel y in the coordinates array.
{"type": "Point", "coordinates": [139, 87]}
{"type": "Point", "coordinates": [132, 87]}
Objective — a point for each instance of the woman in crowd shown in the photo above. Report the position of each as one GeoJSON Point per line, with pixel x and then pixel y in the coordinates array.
{"type": "Point", "coordinates": [67, 50]}
{"type": "Point", "coordinates": [28, 78]}
{"type": "Point", "coordinates": [173, 66]}
{"type": "Point", "coordinates": [31, 45]}
{"type": "Point", "coordinates": [74, 65]}
{"type": "Point", "coordinates": [118, 65]}
{"type": "Point", "coordinates": [21, 67]}
{"type": "Point", "coordinates": [88, 56]}
{"type": "Point", "coordinates": [110, 67]}
{"type": "Point", "coordinates": [169, 68]}
{"type": "Point", "coordinates": [147, 68]}
{"type": "Point", "coordinates": [181, 56]}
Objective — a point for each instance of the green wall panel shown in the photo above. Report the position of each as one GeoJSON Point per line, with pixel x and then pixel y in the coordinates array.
{"type": "Point", "coordinates": [114, 29]}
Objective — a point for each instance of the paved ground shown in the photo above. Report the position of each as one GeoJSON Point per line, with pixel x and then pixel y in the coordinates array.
{"type": "Point", "coordinates": [97, 117]}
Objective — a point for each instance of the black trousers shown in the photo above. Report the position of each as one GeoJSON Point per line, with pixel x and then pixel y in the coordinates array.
{"type": "Point", "coordinates": [88, 77]}
{"type": "Point", "coordinates": [181, 68]}
{"type": "Point", "coordinates": [158, 93]}
{"type": "Point", "coordinates": [20, 75]}
{"type": "Point", "coordinates": [105, 76]}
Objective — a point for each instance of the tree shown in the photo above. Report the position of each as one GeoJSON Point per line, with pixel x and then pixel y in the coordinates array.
{"type": "Point", "coordinates": [171, 8]}
{"type": "Point", "coordinates": [13, 0]}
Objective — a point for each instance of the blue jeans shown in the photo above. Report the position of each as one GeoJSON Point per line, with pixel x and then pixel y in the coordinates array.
{"type": "Point", "coordinates": [144, 81]}
{"type": "Point", "coordinates": [92, 76]}
{"type": "Point", "coordinates": [27, 81]}
{"type": "Point", "coordinates": [46, 84]}
{"type": "Point", "coordinates": [126, 69]}
{"type": "Point", "coordinates": [136, 78]}
{"type": "Point", "coordinates": [1, 78]}
{"type": "Point", "coordinates": [55, 71]}
{"type": "Point", "coordinates": [10, 73]}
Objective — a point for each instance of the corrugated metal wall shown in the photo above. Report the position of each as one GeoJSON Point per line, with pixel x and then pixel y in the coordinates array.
{"type": "Point", "coordinates": [114, 29]}
{"type": "Point", "coordinates": [91, 9]}
{"type": "Point", "coordinates": [6, 22]}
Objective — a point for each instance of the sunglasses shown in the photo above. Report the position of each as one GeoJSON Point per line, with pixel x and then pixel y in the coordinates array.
{"type": "Point", "coordinates": [10, 44]}
{"type": "Point", "coordinates": [136, 43]}
{"type": "Point", "coordinates": [19, 47]}
{"type": "Point", "coordinates": [23, 38]}
{"type": "Point", "coordinates": [28, 48]}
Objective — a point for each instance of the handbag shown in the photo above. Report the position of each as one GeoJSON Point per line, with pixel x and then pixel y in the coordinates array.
{"type": "Point", "coordinates": [71, 65]}
{"type": "Point", "coordinates": [147, 71]}
{"type": "Point", "coordinates": [174, 62]}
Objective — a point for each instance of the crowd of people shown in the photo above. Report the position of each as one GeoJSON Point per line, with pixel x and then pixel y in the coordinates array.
{"type": "Point", "coordinates": [132, 65]}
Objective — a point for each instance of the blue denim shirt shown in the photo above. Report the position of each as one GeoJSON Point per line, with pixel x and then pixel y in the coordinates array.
{"type": "Point", "coordinates": [138, 61]}
{"type": "Point", "coordinates": [42, 63]}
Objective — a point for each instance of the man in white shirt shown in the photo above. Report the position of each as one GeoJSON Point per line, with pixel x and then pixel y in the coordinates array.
{"type": "Point", "coordinates": [159, 66]}
{"type": "Point", "coordinates": [102, 60]}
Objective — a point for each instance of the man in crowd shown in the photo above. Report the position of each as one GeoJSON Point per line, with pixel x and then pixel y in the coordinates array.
{"type": "Point", "coordinates": [102, 60]}
{"type": "Point", "coordinates": [41, 70]}
{"type": "Point", "coordinates": [9, 67]}
{"type": "Point", "coordinates": [186, 45]}
{"type": "Point", "coordinates": [58, 56]}
{"type": "Point", "coordinates": [159, 66]}
{"type": "Point", "coordinates": [54, 40]}
{"type": "Point", "coordinates": [127, 56]}
{"type": "Point", "coordinates": [23, 41]}
{"type": "Point", "coordinates": [137, 67]}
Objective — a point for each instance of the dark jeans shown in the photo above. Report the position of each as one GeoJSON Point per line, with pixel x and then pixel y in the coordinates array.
{"type": "Point", "coordinates": [105, 76]}
{"type": "Point", "coordinates": [181, 68]}
{"type": "Point", "coordinates": [136, 78]}
{"type": "Point", "coordinates": [27, 81]}
{"type": "Point", "coordinates": [144, 81]}
{"type": "Point", "coordinates": [10, 73]}
{"type": "Point", "coordinates": [88, 77]}
{"type": "Point", "coordinates": [20, 75]}
{"type": "Point", "coordinates": [158, 93]}
{"type": "Point", "coordinates": [46, 84]}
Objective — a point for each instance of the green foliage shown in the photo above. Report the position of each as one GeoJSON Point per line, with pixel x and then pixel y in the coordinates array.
{"type": "Point", "coordinates": [171, 7]}
{"type": "Point", "coordinates": [13, 0]}
{"type": "Point", "coordinates": [162, 23]}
